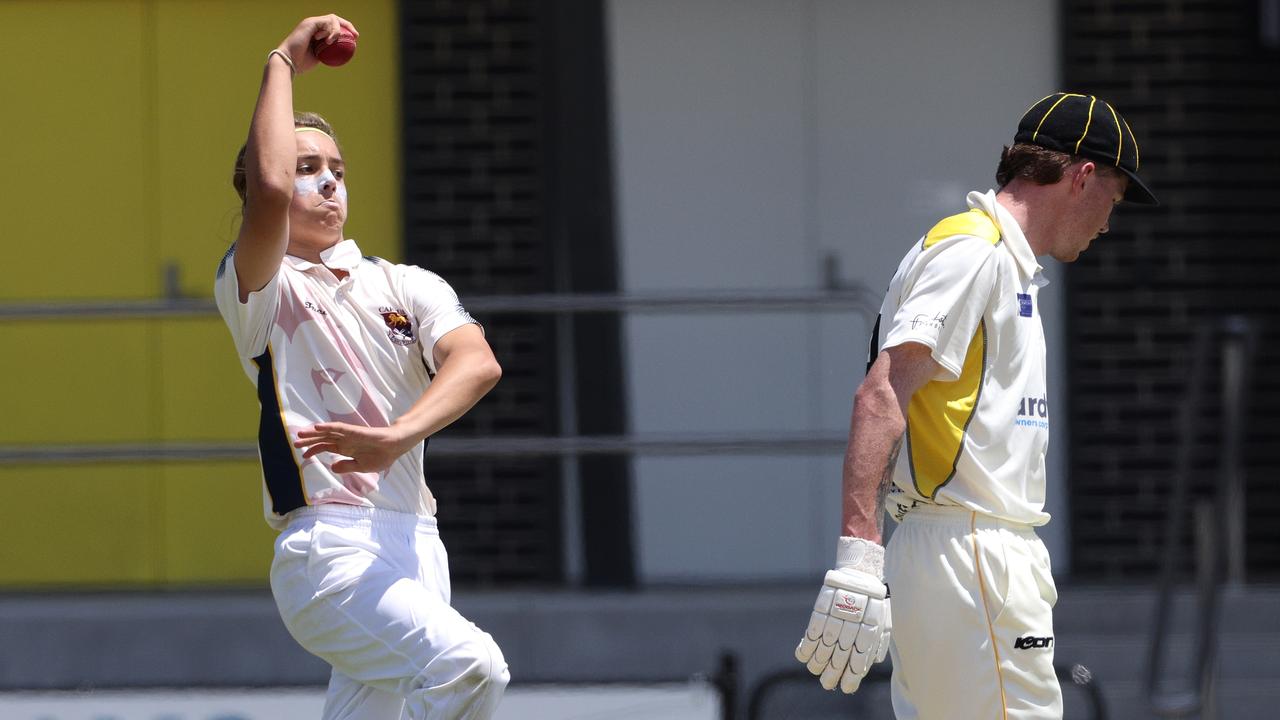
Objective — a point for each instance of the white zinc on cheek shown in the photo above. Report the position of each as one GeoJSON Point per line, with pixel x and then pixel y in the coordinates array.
{"type": "Point", "coordinates": [311, 184]}
{"type": "Point", "coordinates": [306, 185]}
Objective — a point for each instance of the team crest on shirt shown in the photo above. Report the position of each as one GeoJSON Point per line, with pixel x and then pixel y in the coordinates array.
{"type": "Point", "coordinates": [399, 327]}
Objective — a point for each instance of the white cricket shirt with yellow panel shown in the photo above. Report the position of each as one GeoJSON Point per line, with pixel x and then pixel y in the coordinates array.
{"type": "Point", "coordinates": [356, 350]}
{"type": "Point", "coordinates": [977, 433]}
{"type": "Point", "coordinates": [973, 593]}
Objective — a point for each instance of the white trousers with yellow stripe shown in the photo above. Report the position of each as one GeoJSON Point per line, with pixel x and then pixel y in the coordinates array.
{"type": "Point", "coordinates": [972, 605]}
{"type": "Point", "coordinates": [368, 591]}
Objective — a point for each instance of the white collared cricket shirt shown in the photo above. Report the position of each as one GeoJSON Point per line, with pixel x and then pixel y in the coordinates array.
{"type": "Point", "coordinates": [356, 350]}
{"type": "Point", "coordinates": [978, 432]}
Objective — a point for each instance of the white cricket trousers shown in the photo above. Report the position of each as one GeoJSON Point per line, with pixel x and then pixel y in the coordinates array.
{"type": "Point", "coordinates": [367, 591]}
{"type": "Point", "coordinates": [972, 601]}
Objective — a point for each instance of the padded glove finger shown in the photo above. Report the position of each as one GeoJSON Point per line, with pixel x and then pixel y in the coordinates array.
{"type": "Point", "coordinates": [850, 681]}
{"type": "Point", "coordinates": [812, 634]}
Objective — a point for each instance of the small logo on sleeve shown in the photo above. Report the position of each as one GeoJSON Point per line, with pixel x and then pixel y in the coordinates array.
{"type": "Point", "coordinates": [399, 327]}
{"type": "Point", "coordinates": [937, 322]}
{"type": "Point", "coordinates": [1024, 304]}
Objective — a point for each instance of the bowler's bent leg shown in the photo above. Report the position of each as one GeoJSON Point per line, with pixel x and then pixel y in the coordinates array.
{"type": "Point", "coordinates": [376, 622]}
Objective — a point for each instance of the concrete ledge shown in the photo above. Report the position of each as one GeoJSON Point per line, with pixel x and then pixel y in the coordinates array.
{"type": "Point", "coordinates": [234, 638]}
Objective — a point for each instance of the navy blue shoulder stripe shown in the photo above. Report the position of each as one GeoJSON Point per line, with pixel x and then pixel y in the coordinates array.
{"type": "Point", "coordinates": [222, 266]}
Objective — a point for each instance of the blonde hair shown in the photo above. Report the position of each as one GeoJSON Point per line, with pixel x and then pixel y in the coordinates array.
{"type": "Point", "coordinates": [308, 120]}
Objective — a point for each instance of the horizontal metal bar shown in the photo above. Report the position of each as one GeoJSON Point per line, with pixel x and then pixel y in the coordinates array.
{"type": "Point", "coordinates": [711, 301]}
{"type": "Point", "coordinates": [691, 302]}
{"type": "Point", "coordinates": [772, 444]}
{"type": "Point", "coordinates": [109, 309]}
{"type": "Point", "coordinates": [125, 452]}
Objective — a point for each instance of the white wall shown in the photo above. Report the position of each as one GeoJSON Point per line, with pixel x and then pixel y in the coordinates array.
{"type": "Point", "coordinates": [752, 138]}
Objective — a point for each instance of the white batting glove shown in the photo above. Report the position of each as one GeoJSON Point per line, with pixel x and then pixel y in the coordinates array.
{"type": "Point", "coordinates": [850, 625]}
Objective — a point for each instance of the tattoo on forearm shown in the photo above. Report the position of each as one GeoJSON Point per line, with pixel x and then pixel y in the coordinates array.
{"type": "Point", "coordinates": [886, 480]}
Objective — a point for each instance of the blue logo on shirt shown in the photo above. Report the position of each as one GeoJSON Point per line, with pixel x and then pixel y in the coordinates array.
{"type": "Point", "coordinates": [1033, 412]}
{"type": "Point", "coordinates": [1024, 304]}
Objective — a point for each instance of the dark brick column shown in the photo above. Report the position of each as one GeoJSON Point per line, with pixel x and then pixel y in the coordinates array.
{"type": "Point", "coordinates": [508, 190]}
{"type": "Point", "coordinates": [1202, 94]}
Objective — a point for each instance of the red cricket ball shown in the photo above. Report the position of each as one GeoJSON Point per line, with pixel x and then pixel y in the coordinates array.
{"type": "Point", "coordinates": [338, 52]}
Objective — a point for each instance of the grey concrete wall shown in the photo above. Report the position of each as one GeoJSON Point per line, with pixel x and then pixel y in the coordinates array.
{"type": "Point", "coordinates": [753, 139]}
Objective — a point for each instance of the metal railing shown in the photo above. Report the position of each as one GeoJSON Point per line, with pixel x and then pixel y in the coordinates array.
{"type": "Point", "coordinates": [840, 299]}
{"type": "Point", "coordinates": [1218, 522]}
{"type": "Point", "coordinates": [567, 444]}
{"type": "Point", "coordinates": [771, 444]}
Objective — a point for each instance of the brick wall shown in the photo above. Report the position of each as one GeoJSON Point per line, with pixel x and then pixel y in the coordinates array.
{"type": "Point", "coordinates": [474, 94]}
{"type": "Point", "coordinates": [1202, 93]}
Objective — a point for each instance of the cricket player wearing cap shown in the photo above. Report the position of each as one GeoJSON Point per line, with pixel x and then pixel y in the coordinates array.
{"type": "Point", "coordinates": [949, 432]}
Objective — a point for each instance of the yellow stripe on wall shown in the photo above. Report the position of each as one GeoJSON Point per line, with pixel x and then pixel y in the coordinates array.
{"type": "Point", "coordinates": [939, 415]}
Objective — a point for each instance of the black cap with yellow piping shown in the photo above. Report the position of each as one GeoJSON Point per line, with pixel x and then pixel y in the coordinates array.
{"type": "Point", "coordinates": [1087, 126]}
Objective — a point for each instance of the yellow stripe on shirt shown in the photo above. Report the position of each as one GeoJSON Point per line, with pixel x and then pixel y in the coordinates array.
{"type": "Point", "coordinates": [975, 222]}
{"type": "Point", "coordinates": [938, 417]}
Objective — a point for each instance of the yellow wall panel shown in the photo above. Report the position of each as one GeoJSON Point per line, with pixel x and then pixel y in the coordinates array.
{"type": "Point", "coordinates": [77, 147]}
{"type": "Point", "coordinates": [126, 142]}
{"type": "Point", "coordinates": [210, 59]}
{"type": "Point", "coordinates": [213, 526]}
{"type": "Point", "coordinates": [204, 394]}
{"type": "Point", "coordinates": [85, 524]}
{"type": "Point", "coordinates": [78, 381]}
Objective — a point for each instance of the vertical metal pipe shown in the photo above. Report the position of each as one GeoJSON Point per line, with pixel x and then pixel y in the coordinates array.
{"type": "Point", "coordinates": [570, 476]}
{"type": "Point", "coordinates": [1166, 703]}
{"type": "Point", "coordinates": [1236, 336]}
{"type": "Point", "coordinates": [1209, 522]}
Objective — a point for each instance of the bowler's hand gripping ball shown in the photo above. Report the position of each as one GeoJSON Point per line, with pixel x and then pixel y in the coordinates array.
{"type": "Point", "coordinates": [336, 53]}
